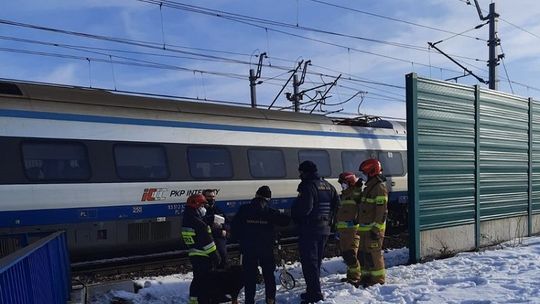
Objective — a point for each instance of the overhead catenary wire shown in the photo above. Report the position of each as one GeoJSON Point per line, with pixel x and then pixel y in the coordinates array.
{"type": "Point", "coordinates": [209, 57]}
{"type": "Point", "coordinates": [197, 56]}
{"type": "Point", "coordinates": [248, 20]}
{"type": "Point", "coordinates": [458, 34]}
{"type": "Point", "coordinates": [347, 100]}
{"type": "Point", "coordinates": [156, 46]}
{"type": "Point", "coordinates": [398, 20]}
{"type": "Point", "coordinates": [157, 65]}
{"type": "Point", "coordinates": [243, 76]}
{"type": "Point", "coordinates": [521, 28]}
{"type": "Point", "coordinates": [371, 93]}
{"type": "Point", "coordinates": [505, 70]}
{"type": "Point", "coordinates": [131, 63]}
{"type": "Point", "coordinates": [240, 17]}
{"type": "Point", "coordinates": [94, 50]}
{"type": "Point", "coordinates": [527, 86]}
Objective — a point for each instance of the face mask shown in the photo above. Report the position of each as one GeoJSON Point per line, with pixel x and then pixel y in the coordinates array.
{"type": "Point", "coordinates": [201, 211]}
{"type": "Point", "coordinates": [211, 199]}
{"type": "Point", "coordinates": [362, 176]}
{"type": "Point", "coordinates": [344, 186]}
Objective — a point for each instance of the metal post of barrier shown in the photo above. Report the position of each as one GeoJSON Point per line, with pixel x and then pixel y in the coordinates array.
{"type": "Point", "coordinates": [477, 232]}
{"type": "Point", "coordinates": [530, 171]}
{"type": "Point", "coordinates": [412, 163]}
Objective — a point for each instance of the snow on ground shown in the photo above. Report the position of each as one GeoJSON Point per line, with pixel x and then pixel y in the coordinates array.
{"type": "Point", "coordinates": [510, 274]}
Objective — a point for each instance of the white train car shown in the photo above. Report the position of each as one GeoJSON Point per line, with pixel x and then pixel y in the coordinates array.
{"type": "Point", "coordinates": [114, 170]}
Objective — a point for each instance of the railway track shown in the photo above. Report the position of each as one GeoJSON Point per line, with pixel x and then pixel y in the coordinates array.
{"type": "Point", "coordinates": [150, 265]}
{"type": "Point", "coordinates": [178, 261]}
{"type": "Point", "coordinates": [120, 268]}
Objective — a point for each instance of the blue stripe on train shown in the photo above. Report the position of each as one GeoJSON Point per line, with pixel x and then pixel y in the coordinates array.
{"type": "Point", "coordinates": [98, 214]}
{"type": "Point", "coordinates": [128, 212]}
{"type": "Point", "coordinates": [180, 124]}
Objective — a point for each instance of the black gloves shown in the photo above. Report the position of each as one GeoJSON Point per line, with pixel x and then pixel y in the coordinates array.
{"type": "Point", "coordinates": [215, 259]}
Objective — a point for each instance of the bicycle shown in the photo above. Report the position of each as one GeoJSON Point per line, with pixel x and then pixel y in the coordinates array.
{"type": "Point", "coordinates": [285, 277]}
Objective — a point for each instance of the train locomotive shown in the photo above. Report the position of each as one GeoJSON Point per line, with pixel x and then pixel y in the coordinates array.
{"type": "Point", "coordinates": [114, 170]}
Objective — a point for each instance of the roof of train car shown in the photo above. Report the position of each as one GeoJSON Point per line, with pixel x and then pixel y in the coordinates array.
{"type": "Point", "coordinates": [50, 92]}
{"type": "Point", "coordinates": [101, 97]}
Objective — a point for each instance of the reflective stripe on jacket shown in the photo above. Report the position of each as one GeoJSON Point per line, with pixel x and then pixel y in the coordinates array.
{"type": "Point", "coordinates": [373, 209]}
{"type": "Point", "coordinates": [348, 208]}
{"type": "Point", "coordinates": [196, 234]}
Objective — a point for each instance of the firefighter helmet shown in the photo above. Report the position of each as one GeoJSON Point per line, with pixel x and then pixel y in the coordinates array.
{"type": "Point", "coordinates": [195, 201]}
{"type": "Point", "coordinates": [371, 167]}
{"type": "Point", "coordinates": [348, 178]}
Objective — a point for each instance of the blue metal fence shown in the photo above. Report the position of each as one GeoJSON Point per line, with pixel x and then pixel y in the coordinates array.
{"type": "Point", "coordinates": [38, 273]}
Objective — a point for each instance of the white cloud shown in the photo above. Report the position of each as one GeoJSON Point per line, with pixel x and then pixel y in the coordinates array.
{"type": "Point", "coordinates": [65, 74]}
{"type": "Point", "coordinates": [160, 78]}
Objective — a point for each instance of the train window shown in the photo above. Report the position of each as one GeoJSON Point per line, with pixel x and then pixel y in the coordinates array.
{"type": "Point", "coordinates": [209, 162]}
{"type": "Point", "coordinates": [266, 163]}
{"type": "Point", "coordinates": [351, 160]}
{"type": "Point", "coordinates": [319, 157]}
{"type": "Point", "coordinates": [392, 163]}
{"type": "Point", "coordinates": [140, 162]}
{"type": "Point", "coordinates": [61, 161]}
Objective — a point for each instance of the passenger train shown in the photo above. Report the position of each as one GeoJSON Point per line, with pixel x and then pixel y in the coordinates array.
{"type": "Point", "coordinates": [114, 170]}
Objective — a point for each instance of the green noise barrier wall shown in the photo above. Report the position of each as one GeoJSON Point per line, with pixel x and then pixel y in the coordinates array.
{"type": "Point", "coordinates": [474, 167]}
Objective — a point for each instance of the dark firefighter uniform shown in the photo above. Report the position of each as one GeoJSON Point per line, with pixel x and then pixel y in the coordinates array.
{"type": "Point", "coordinates": [313, 212]}
{"type": "Point", "coordinates": [202, 249]}
{"type": "Point", "coordinates": [347, 224]}
{"type": "Point", "coordinates": [372, 224]}
{"type": "Point", "coordinates": [253, 226]}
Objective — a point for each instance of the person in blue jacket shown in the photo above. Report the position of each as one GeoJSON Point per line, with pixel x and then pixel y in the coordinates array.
{"type": "Point", "coordinates": [253, 226]}
{"type": "Point", "coordinates": [313, 212]}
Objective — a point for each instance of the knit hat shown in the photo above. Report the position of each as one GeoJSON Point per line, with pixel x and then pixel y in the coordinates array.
{"type": "Point", "coordinates": [307, 166]}
{"type": "Point", "coordinates": [264, 191]}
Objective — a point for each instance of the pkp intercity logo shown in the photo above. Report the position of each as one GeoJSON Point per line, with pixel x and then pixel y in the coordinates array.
{"type": "Point", "coordinates": [154, 194]}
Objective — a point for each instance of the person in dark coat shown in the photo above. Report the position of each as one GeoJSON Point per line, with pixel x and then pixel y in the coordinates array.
{"type": "Point", "coordinates": [219, 231]}
{"type": "Point", "coordinates": [253, 226]}
{"type": "Point", "coordinates": [313, 211]}
{"type": "Point", "coordinates": [202, 249]}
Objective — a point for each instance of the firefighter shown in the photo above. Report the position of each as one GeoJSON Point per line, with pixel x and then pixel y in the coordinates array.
{"type": "Point", "coordinates": [372, 223]}
{"type": "Point", "coordinates": [253, 226]}
{"type": "Point", "coordinates": [313, 212]}
{"type": "Point", "coordinates": [347, 224]}
{"type": "Point", "coordinates": [219, 231]}
{"type": "Point", "coordinates": [202, 250]}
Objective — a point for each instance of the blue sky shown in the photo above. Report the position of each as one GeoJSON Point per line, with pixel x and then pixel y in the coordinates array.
{"type": "Point", "coordinates": [377, 69]}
